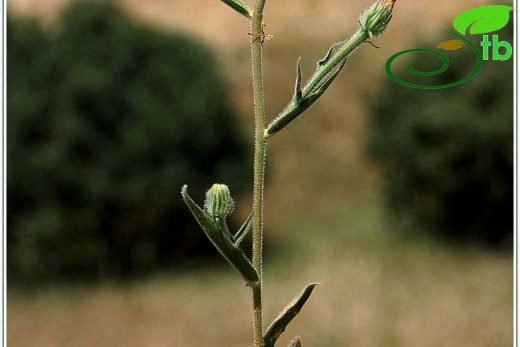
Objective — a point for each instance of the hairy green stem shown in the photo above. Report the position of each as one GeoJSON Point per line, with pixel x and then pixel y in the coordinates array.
{"type": "Point", "coordinates": [359, 37]}
{"type": "Point", "coordinates": [257, 37]}
{"type": "Point", "coordinates": [327, 70]}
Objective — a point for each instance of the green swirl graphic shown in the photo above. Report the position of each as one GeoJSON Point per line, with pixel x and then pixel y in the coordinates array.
{"type": "Point", "coordinates": [444, 67]}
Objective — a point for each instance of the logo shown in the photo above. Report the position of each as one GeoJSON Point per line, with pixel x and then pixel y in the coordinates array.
{"type": "Point", "coordinates": [479, 21]}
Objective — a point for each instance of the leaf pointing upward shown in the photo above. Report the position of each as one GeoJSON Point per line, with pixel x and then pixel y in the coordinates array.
{"type": "Point", "coordinates": [221, 240]}
{"type": "Point", "coordinates": [482, 20]}
{"type": "Point", "coordinates": [240, 7]}
{"type": "Point", "coordinates": [278, 326]}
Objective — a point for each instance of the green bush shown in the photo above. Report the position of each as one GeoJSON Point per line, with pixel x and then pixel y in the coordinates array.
{"type": "Point", "coordinates": [446, 156]}
{"type": "Point", "coordinates": [107, 119]}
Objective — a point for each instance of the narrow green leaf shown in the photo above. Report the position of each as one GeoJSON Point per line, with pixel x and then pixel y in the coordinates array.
{"type": "Point", "coordinates": [221, 240]}
{"type": "Point", "coordinates": [278, 326]}
{"type": "Point", "coordinates": [300, 102]}
{"type": "Point", "coordinates": [205, 221]}
{"type": "Point", "coordinates": [298, 84]}
{"type": "Point", "coordinates": [316, 92]}
{"type": "Point", "coordinates": [244, 229]}
{"type": "Point", "coordinates": [326, 79]}
{"type": "Point", "coordinates": [483, 19]}
{"type": "Point", "coordinates": [221, 223]}
{"type": "Point", "coordinates": [290, 113]}
{"type": "Point", "coordinates": [240, 7]}
{"type": "Point", "coordinates": [331, 52]}
{"type": "Point", "coordinates": [327, 69]}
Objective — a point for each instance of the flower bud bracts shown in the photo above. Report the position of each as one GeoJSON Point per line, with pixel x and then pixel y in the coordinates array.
{"type": "Point", "coordinates": [219, 202]}
{"type": "Point", "coordinates": [212, 221]}
{"type": "Point", "coordinates": [375, 19]}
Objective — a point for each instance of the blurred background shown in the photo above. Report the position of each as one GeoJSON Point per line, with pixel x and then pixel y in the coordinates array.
{"type": "Point", "coordinates": [397, 200]}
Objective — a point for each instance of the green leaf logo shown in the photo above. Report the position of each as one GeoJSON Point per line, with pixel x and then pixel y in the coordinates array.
{"type": "Point", "coordinates": [482, 20]}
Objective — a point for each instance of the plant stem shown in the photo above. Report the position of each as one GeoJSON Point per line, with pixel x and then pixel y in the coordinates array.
{"type": "Point", "coordinates": [359, 37]}
{"type": "Point", "coordinates": [257, 36]}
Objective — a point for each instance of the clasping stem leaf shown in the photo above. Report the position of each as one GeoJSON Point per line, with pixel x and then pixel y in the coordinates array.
{"type": "Point", "coordinates": [278, 326]}
{"type": "Point", "coordinates": [221, 240]}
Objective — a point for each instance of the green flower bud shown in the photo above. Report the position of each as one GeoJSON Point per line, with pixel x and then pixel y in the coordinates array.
{"type": "Point", "coordinates": [218, 201]}
{"type": "Point", "coordinates": [375, 19]}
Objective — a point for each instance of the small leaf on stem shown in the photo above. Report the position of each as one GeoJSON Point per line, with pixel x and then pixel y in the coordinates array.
{"type": "Point", "coordinates": [221, 239]}
{"type": "Point", "coordinates": [240, 7]}
{"type": "Point", "coordinates": [331, 52]}
{"type": "Point", "coordinates": [244, 229]}
{"type": "Point", "coordinates": [278, 326]}
{"type": "Point", "coordinates": [298, 84]}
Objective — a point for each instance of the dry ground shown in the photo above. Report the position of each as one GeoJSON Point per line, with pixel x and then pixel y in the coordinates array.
{"type": "Point", "coordinates": [375, 291]}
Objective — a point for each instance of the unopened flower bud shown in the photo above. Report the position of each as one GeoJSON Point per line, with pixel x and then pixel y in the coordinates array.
{"type": "Point", "coordinates": [375, 19]}
{"type": "Point", "coordinates": [218, 201]}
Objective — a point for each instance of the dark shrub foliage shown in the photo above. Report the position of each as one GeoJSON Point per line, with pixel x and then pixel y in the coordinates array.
{"type": "Point", "coordinates": [107, 119]}
{"type": "Point", "coordinates": [446, 156]}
